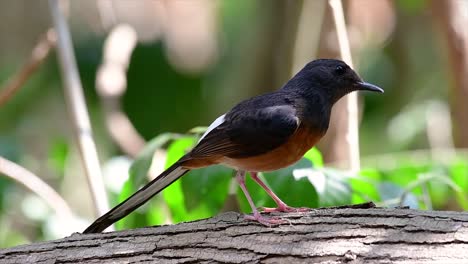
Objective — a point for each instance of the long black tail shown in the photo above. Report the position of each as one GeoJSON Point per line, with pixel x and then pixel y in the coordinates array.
{"type": "Point", "coordinates": [136, 200]}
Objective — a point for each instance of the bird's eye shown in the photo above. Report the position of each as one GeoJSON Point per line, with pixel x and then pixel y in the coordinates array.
{"type": "Point", "coordinates": [340, 70]}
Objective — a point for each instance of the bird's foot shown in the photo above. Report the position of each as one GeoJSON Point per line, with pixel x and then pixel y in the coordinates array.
{"type": "Point", "coordinates": [284, 208]}
{"type": "Point", "coordinates": [267, 221]}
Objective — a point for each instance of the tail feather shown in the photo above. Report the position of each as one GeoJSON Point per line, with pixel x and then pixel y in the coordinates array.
{"type": "Point", "coordinates": [136, 200]}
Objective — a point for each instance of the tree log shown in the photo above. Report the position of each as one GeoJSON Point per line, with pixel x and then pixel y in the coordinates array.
{"type": "Point", "coordinates": [333, 235]}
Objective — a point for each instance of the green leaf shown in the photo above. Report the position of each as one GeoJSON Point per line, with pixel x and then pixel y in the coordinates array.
{"type": "Point", "coordinates": [391, 193]}
{"type": "Point", "coordinates": [156, 213]}
{"type": "Point", "coordinates": [364, 186]}
{"type": "Point", "coordinates": [450, 187]}
{"type": "Point", "coordinates": [140, 167]}
{"type": "Point", "coordinates": [405, 175]}
{"type": "Point", "coordinates": [173, 194]}
{"type": "Point", "coordinates": [439, 187]}
{"type": "Point", "coordinates": [209, 186]}
{"type": "Point", "coordinates": [314, 156]}
{"type": "Point", "coordinates": [138, 174]}
{"type": "Point", "coordinates": [459, 174]}
{"type": "Point", "coordinates": [10, 236]}
{"type": "Point", "coordinates": [127, 190]}
{"type": "Point", "coordinates": [58, 155]}
{"type": "Point", "coordinates": [337, 190]}
{"type": "Point", "coordinates": [292, 191]}
{"type": "Point", "coordinates": [178, 148]}
{"type": "Point", "coordinates": [370, 173]}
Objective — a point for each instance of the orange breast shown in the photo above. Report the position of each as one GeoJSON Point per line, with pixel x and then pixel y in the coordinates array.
{"type": "Point", "coordinates": [289, 153]}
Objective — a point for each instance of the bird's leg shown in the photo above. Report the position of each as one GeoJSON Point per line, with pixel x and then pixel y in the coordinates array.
{"type": "Point", "coordinates": [282, 206]}
{"type": "Point", "coordinates": [240, 177]}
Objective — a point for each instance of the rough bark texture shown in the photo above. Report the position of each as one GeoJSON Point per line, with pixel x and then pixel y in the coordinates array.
{"type": "Point", "coordinates": [325, 235]}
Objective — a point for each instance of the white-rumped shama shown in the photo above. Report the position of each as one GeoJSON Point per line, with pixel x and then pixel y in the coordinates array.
{"type": "Point", "coordinates": [263, 133]}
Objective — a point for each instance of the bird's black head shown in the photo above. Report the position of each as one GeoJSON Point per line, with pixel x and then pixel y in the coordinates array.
{"type": "Point", "coordinates": [332, 78]}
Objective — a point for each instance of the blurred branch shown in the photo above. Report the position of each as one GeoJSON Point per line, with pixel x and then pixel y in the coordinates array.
{"type": "Point", "coordinates": [287, 39]}
{"type": "Point", "coordinates": [78, 110]}
{"type": "Point", "coordinates": [422, 182]}
{"type": "Point", "coordinates": [438, 127]}
{"type": "Point", "coordinates": [37, 186]}
{"type": "Point", "coordinates": [352, 133]}
{"type": "Point", "coordinates": [111, 84]}
{"type": "Point", "coordinates": [307, 38]}
{"type": "Point", "coordinates": [106, 13]}
{"type": "Point", "coordinates": [452, 18]}
{"type": "Point", "coordinates": [38, 56]}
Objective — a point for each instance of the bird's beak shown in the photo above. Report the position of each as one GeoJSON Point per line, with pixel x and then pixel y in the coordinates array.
{"type": "Point", "coordinates": [369, 87]}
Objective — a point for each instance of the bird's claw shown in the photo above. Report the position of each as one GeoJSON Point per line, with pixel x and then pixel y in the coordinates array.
{"type": "Point", "coordinates": [284, 208]}
{"type": "Point", "coordinates": [267, 221]}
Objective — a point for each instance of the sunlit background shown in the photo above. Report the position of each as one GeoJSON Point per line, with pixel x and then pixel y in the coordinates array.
{"type": "Point", "coordinates": [152, 67]}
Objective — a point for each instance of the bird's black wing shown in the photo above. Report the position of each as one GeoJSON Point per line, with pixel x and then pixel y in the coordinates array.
{"type": "Point", "coordinates": [247, 132]}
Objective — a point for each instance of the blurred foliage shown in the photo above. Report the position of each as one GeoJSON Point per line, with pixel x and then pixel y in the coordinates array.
{"type": "Point", "coordinates": [203, 192]}
{"type": "Point", "coordinates": [410, 66]}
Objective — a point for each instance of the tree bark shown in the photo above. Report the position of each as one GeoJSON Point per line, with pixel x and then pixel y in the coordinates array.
{"type": "Point", "coordinates": [330, 235]}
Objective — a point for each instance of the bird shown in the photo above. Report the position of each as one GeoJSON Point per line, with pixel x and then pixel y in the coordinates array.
{"type": "Point", "coordinates": [264, 133]}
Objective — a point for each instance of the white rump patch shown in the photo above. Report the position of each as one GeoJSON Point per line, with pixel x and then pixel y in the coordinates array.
{"type": "Point", "coordinates": [213, 125]}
